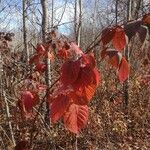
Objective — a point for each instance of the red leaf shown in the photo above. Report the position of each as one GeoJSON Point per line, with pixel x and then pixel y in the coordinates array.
{"type": "Point", "coordinates": [75, 98]}
{"type": "Point", "coordinates": [28, 101]}
{"type": "Point", "coordinates": [61, 89]}
{"type": "Point", "coordinates": [76, 117]}
{"type": "Point", "coordinates": [88, 60]}
{"type": "Point", "coordinates": [85, 93]}
{"type": "Point", "coordinates": [86, 84]}
{"type": "Point", "coordinates": [40, 49]}
{"type": "Point", "coordinates": [22, 145]}
{"type": "Point", "coordinates": [63, 53]}
{"type": "Point", "coordinates": [86, 76]}
{"type": "Point", "coordinates": [124, 70]}
{"type": "Point", "coordinates": [107, 35]}
{"type": "Point", "coordinates": [58, 107]}
{"type": "Point", "coordinates": [40, 67]}
{"type": "Point", "coordinates": [70, 71]}
{"type": "Point", "coordinates": [146, 19]}
{"type": "Point", "coordinates": [115, 59]}
{"type": "Point", "coordinates": [119, 40]}
{"type": "Point", "coordinates": [131, 28]}
{"type": "Point", "coordinates": [34, 59]}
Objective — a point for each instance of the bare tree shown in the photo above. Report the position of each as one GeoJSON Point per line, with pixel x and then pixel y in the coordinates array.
{"type": "Point", "coordinates": [79, 24]}
{"type": "Point", "coordinates": [78, 21]}
{"type": "Point", "coordinates": [126, 84]}
{"type": "Point", "coordinates": [133, 8]}
{"type": "Point", "coordinates": [44, 19]}
{"type": "Point", "coordinates": [25, 42]}
{"type": "Point", "coordinates": [44, 4]}
{"type": "Point", "coordinates": [136, 7]}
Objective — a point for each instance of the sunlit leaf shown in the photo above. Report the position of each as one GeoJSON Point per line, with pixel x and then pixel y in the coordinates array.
{"type": "Point", "coordinates": [86, 84]}
{"type": "Point", "coordinates": [124, 70]}
{"type": "Point", "coordinates": [58, 107]}
{"type": "Point", "coordinates": [119, 40]}
{"type": "Point", "coordinates": [76, 117]}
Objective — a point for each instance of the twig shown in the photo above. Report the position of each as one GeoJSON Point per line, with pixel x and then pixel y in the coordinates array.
{"type": "Point", "coordinates": [43, 100]}
{"type": "Point", "coordinates": [8, 118]}
{"type": "Point", "coordinates": [2, 129]}
{"type": "Point", "coordinates": [90, 47]}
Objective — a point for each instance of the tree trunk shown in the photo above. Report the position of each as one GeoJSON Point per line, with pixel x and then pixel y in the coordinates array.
{"type": "Point", "coordinates": [132, 13]}
{"type": "Point", "coordinates": [126, 83]}
{"type": "Point", "coordinates": [25, 42]}
{"type": "Point", "coordinates": [52, 14]}
{"type": "Point", "coordinates": [44, 19]}
{"type": "Point", "coordinates": [79, 24]}
{"type": "Point", "coordinates": [78, 21]}
{"type": "Point", "coordinates": [136, 7]}
{"type": "Point", "coordinates": [94, 26]}
{"type": "Point", "coordinates": [116, 11]}
{"type": "Point", "coordinates": [75, 20]}
{"type": "Point", "coordinates": [44, 4]}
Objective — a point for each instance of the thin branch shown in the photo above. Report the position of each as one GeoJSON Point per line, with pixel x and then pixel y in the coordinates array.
{"type": "Point", "coordinates": [8, 118]}
{"type": "Point", "coordinates": [41, 105]}
{"type": "Point", "coordinates": [62, 13]}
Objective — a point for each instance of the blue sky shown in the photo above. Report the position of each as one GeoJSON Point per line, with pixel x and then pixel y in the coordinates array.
{"type": "Point", "coordinates": [10, 17]}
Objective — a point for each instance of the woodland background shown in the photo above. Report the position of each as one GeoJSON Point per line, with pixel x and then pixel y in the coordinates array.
{"type": "Point", "coordinates": [112, 124]}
